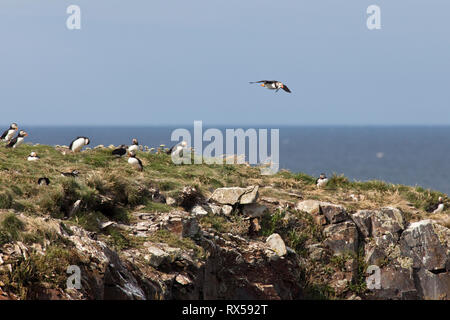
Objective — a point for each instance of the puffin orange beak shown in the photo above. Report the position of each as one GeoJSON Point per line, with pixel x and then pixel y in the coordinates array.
{"type": "Point", "coordinates": [263, 85]}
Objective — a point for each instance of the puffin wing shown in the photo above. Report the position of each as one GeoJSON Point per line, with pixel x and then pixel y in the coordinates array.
{"type": "Point", "coordinates": [12, 143]}
{"type": "Point", "coordinates": [285, 88]}
{"type": "Point", "coordinates": [4, 134]}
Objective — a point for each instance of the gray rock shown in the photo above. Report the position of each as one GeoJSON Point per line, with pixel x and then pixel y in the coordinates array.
{"type": "Point", "coordinates": [254, 210]}
{"type": "Point", "coordinates": [234, 195]}
{"type": "Point", "coordinates": [309, 206]}
{"type": "Point", "coordinates": [156, 256]}
{"type": "Point", "coordinates": [363, 220]}
{"type": "Point", "coordinates": [198, 211]}
{"type": "Point", "coordinates": [276, 243]}
{"type": "Point", "coordinates": [333, 213]}
{"type": "Point", "coordinates": [427, 243]}
{"type": "Point", "coordinates": [387, 220]}
{"type": "Point", "coordinates": [170, 201]}
{"type": "Point", "coordinates": [227, 210]}
{"type": "Point", "coordinates": [434, 286]}
{"type": "Point", "coordinates": [341, 238]}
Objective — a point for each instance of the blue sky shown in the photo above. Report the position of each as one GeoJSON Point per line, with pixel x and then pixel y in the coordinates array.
{"type": "Point", "coordinates": [158, 62]}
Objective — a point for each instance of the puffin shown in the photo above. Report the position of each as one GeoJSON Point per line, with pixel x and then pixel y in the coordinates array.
{"type": "Point", "coordinates": [134, 146]}
{"type": "Point", "coordinates": [322, 181]}
{"type": "Point", "coordinates": [44, 181]}
{"type": "Point", "coordinates": [135, 162]}
{"type": "Point", "coordinates": [33, 156]}
{"type": "Point", "coordinates": [17, 141]}
{"type": "Point", "coordinates": [73, 173]}
{"type": "Point", "coordinates": [273, 85]}
{"type": "Point", "coordinates": [77, 144]}
{"type": "Point", "coordinates": [177, 150]}
{"type": "Point", "coordinates": [9, 133]}
{"type": "Point", "coordinates": [440, 206]}
{"type": "Point", "coordinates": [120, 151]}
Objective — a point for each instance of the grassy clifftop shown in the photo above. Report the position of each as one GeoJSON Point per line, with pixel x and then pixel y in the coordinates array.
{"type": "Point", "coordinates": [103, 175]}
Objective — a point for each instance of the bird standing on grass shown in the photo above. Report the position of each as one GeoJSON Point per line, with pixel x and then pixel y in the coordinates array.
{"type": "Point", "coordinates": [9, 133]}
{"type": "Point", "coordinates": [77, 144]}
{"type": "Point", "coordinates": [440, 207]}
{"type": "Point", "coordinates": [44, 181]}
{"type": "Point", "coordinates": [17, 141]}
{"type": "Point", "coordinates": [177, 150]}
{"type": "Point", "coordinates": [33, 156]}
{"type": "Point", "coordinates": [135, 162]}
{"type": "Point", "coordinates": [322, 181]}
{"type": "Point", "coordinates": [273, 85]}
{"type": "Point", "coordinates": [120, 151]}
{"type": "Point", "coordinates": [134, 146]}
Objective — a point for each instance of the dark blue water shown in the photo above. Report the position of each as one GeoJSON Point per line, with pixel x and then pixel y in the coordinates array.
{"type": "Point", "coordinates": [406, 155]}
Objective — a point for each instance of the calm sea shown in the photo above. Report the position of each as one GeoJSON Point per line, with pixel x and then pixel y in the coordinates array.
{"type": "Point", "coordinates": [406, 155]}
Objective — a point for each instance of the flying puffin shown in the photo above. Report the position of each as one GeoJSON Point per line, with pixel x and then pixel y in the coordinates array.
{"type": "Point", "coordinates": [33, 156]}
{"type": "Point", "coordinates": [17, 141]}
{"type": "Point", "coordinates": [135, 162]}
{"type": "Point", "coordinates": [8, 134]}
{"type": "Point", "coordinates": [44, 181]}
{"type": "Point", "coordinates": [134, 146]}
{"type": "Point", "coordinates": [440, 206]}
{"type": "Point", "coordinates": [322, 181]}
{"type": "Point", "coordinates": [273, 85]}
{"type": "Point", "coordinates": [120, 151]}
{"type": "Point", "coordinates": [79, 143]}
{"type": "Point", "coordinates": [177, 150]}
{"type": "Point", "coordinates": [73, 173]}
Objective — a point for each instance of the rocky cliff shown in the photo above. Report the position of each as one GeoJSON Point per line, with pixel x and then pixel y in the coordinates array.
{"type": "Point", "coordinates": [212, 232]}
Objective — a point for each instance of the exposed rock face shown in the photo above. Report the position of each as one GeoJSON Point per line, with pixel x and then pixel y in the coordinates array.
{"type": "Point", "coordinates": [427, 244]}
{"type": "Point", "coordinates": [342, 237]}
{"type": "Point", "coordinates": [235, 195]}
{"type": "Point", "coordinates": [333, 213]}
{"type": "Point", "coordinates": [323, 212]}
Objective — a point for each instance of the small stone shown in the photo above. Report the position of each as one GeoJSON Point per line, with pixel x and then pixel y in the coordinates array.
{"type": "Point", "coordinates": [276, 243]}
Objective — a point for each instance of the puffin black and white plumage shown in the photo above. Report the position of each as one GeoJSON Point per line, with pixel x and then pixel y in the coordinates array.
{"type": "Point", "coordinates": [33, 156]}
{"type": "Point", "coordinates": [134, 146]}
{"type": "Point", "coordinates": [77, 144]}
{"type": "Point", "coordinates": [322, 181]}
{"type": "Point", "coordinates": [9, 133]}
{"type": "Point", "coordinates": [135, 162]}
{"type": "Point", "coordinates": [440, 206]}
{"type": "Point", "coordinates": [17, 141]}
{"type": "Point", "coordinates": [120, 151]}
{"type": "Point", "coordinates": [44, 181]}
{"type": "Point", "coordinates": [273, 85]}
{"type": "Point", "coordinates": [177, 150]}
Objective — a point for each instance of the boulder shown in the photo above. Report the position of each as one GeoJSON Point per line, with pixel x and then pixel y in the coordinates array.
{"type": "Point", "coordinates": [396, 283]}
{"type": "Point", "coordinates": [156, 256]}
{"type": "Point", "coordinates": [227, 210]}
{"type": "Point", "coordinates": [427, 243]}
{"type": "Point", "coordinates": [434, 286]}
{"type": "Point", "coordinates": [310, 206]}
{"type": "Point", "coordinates": [334, 213]}
{"type": "Point", "coordinates": [276, 243]}
{"type": "Point", "coordinates": [198, 211]}
{"type": "Point", "coordinates": [341, 238]}
{"type": "Point", "coordinates": [235, 195]}
{"type": "Point", "coordinates": [363, 220]}
{"type": "Point", "coordinates": [387, 220]}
